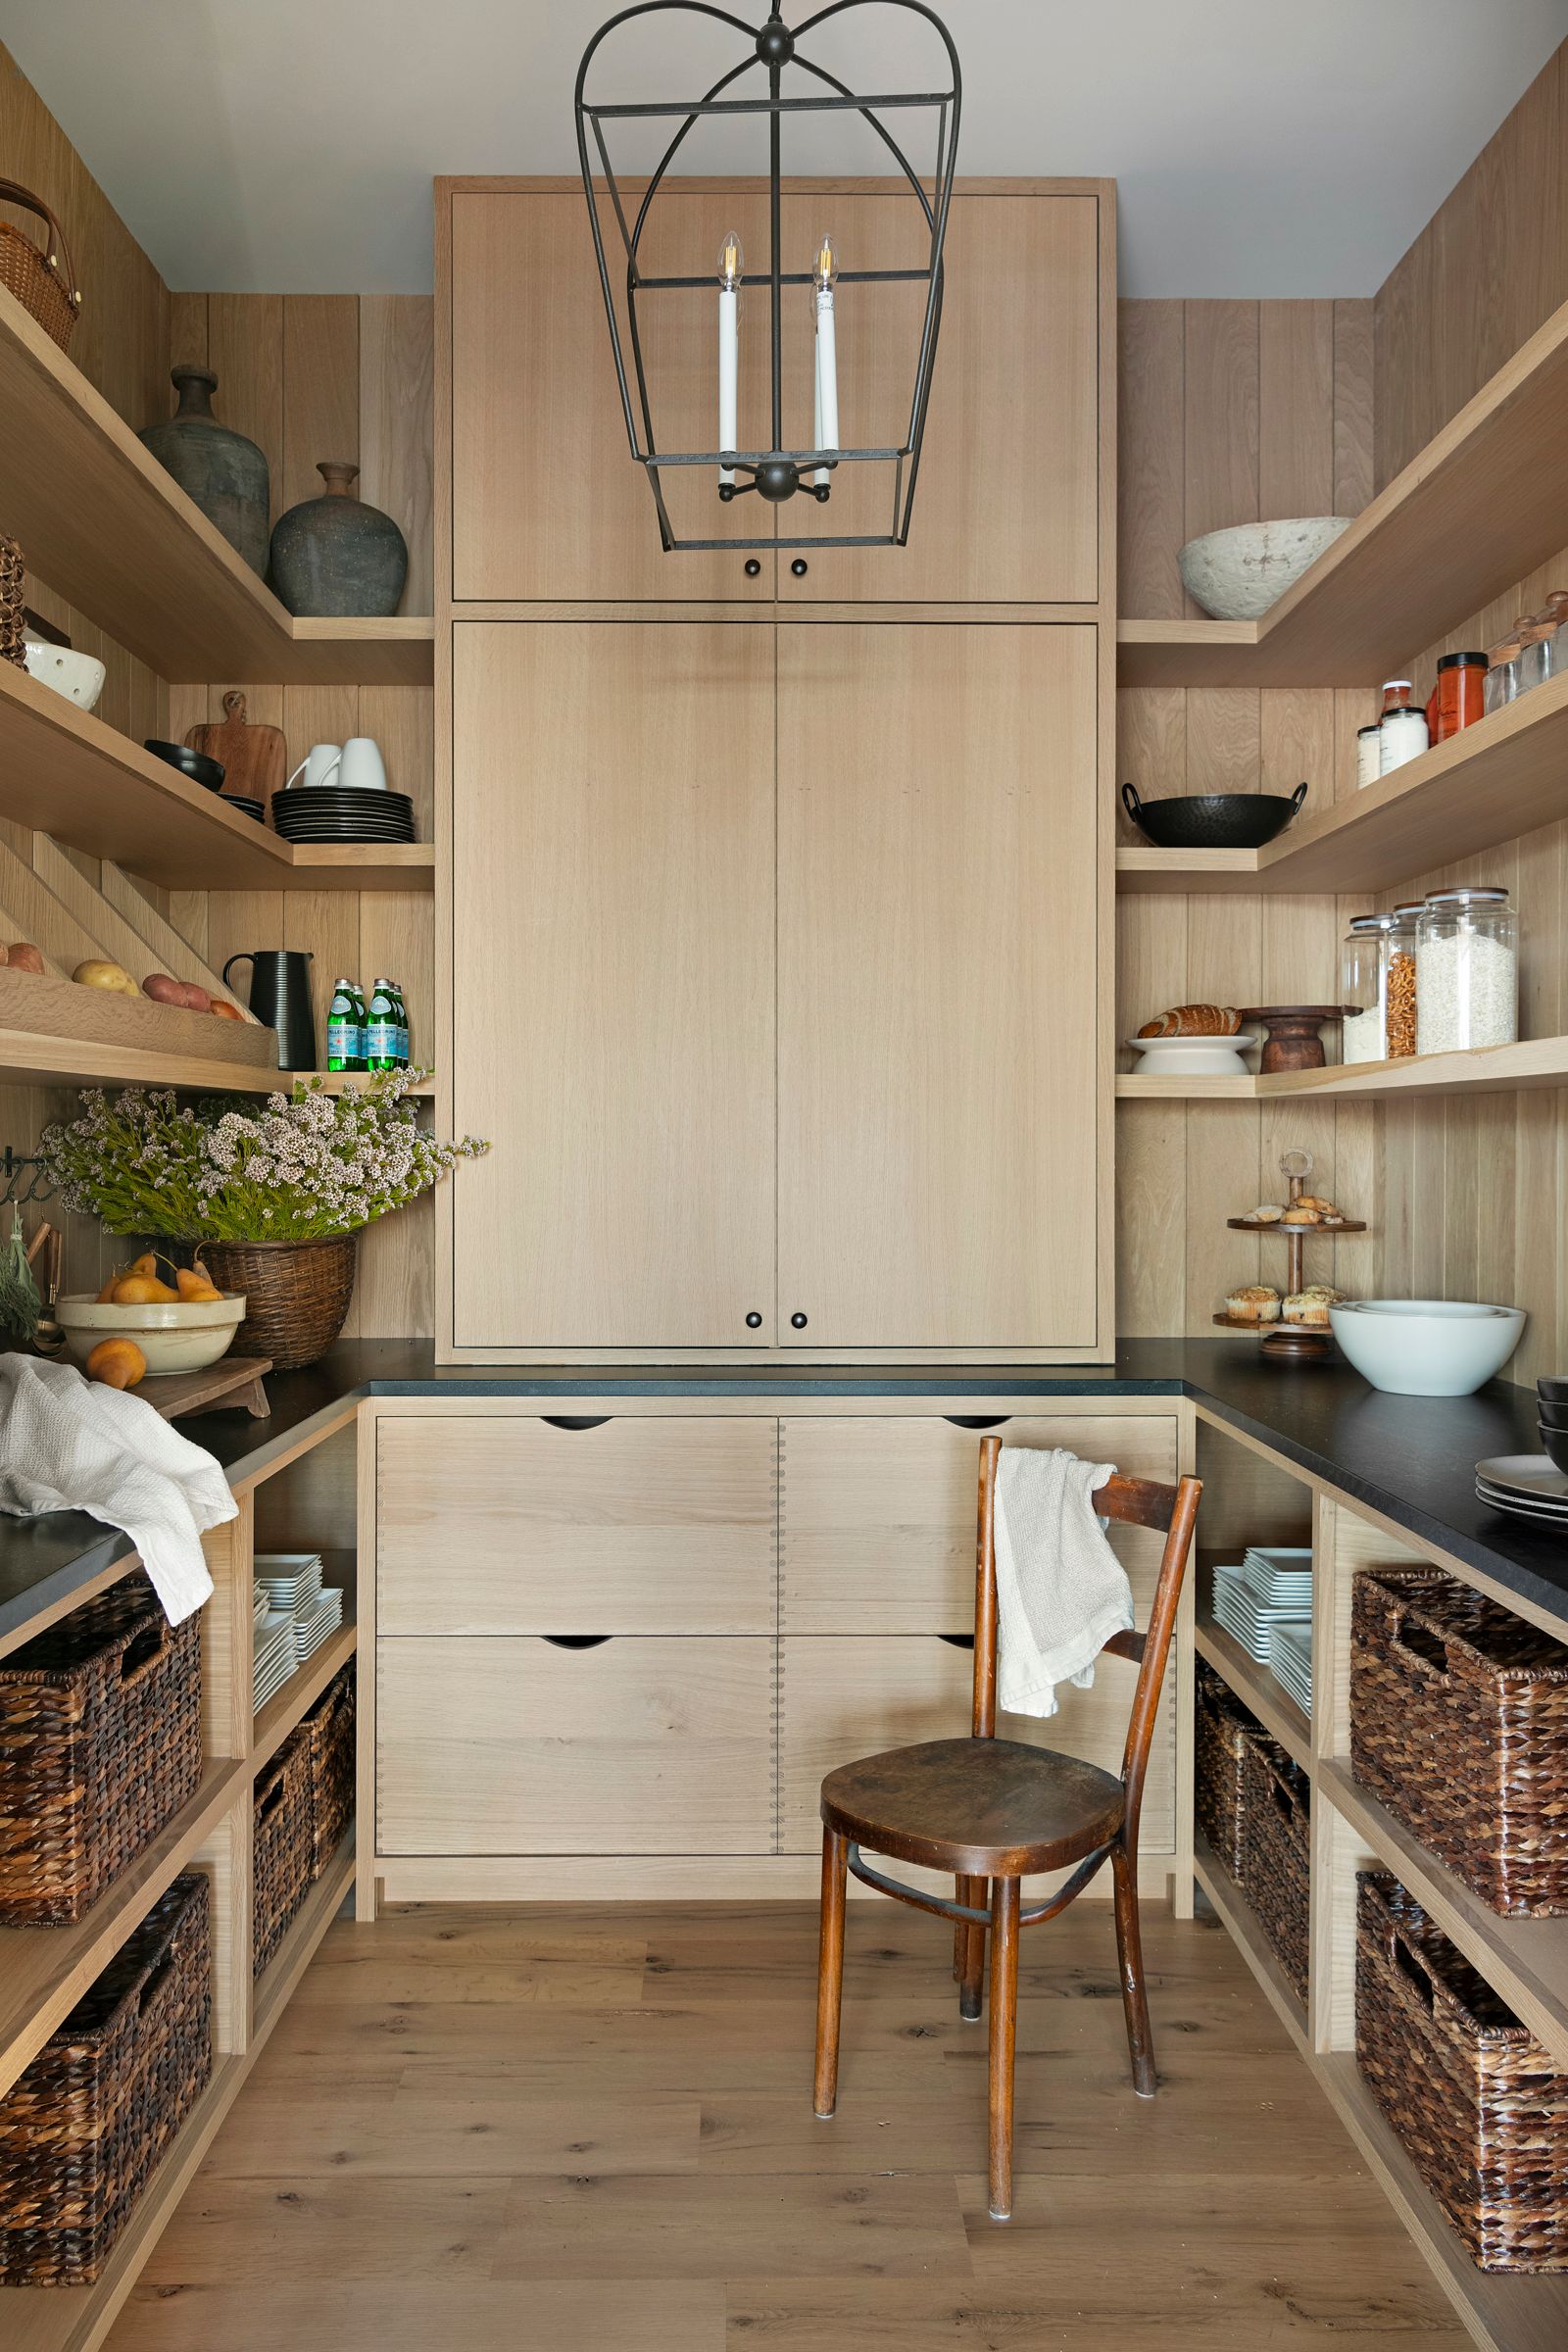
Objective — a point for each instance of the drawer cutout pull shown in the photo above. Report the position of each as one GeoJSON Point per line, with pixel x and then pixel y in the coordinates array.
{"type": "Point", "coordinates": [576, 1641]}
{"type": "Point", "coordinates": [977, 1420]}
{"type": "Point", "coordinates": [958, 1640]}
{"type": "Point", "coordinates": [574, 1420]}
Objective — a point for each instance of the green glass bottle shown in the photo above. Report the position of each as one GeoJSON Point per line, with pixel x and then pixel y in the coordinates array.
{"type": "Point", "coordinates": [381, 1031]}
{"type": "Point", "coordinates": [400, 1016]}
{"type": "Point", "coordinates": [345, 1028]}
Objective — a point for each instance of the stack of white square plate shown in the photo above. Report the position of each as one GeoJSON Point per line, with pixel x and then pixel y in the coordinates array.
{"type": "Point", "coordinates": [311, 1626]}
{"type": "Point", "coordinates": [292, 1582]}
{"type": "Point", "coordinates": [273, 1655]}
{"type": "Point", "coordinates": [1271, 1586]}
{"type": "Point", "coordinates": [1529, 1484]}
{"type": "Point", "coordinates": [1290, 1658]}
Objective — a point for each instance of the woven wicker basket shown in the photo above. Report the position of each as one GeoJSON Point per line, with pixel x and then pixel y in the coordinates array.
{"type": "Point", "coordinates": [13, 604]}
{"type": "Point", "coordinates": [326, 1735]}
{"type": "Point", "coordinates": [1468, 2090]}
{"type": "Point", "coordinates": [100, 1746]}
{"type": "Point", "coordinates": [1222, 1728]}
{"type": "Point", "coordinates": [83, 2128]}
{"type": "Point", "coordinates": [1459, 1725]}
{"type": "Point", "coordinates": [281, 1859]}
{"type": "Point", "coordinates": [40, 277]}
{"type": "Point", "coordinates": [1276, 1853]}
{"type": "Point", "coordinates": [297, 1294]}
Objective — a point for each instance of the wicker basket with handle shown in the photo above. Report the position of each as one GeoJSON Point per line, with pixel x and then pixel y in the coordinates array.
{"type": "Point", "coordinates": [1222, 1729]}
{"type": "Point", "coordinates": [1459, 1725]}
{"type": "Point", "coordinates": [1276, 1853]}
{"type": "Point", "coordinates": [13, 604]}
{"type": "Point", "coordinates": [84, 2129]}
{"type": "Point", "coordinates": [297, 1294]}
{"type": "Point", "coordinates": [328, 1737]}
{"type": "Point", "coordinates": [100, 1746]}
{"type": "Point", "coordinates": [40, 277]}
{"type": "Point", "coordinates": [280, 1861]}
{"type": "Point", "coordinates": [1469, 2091]}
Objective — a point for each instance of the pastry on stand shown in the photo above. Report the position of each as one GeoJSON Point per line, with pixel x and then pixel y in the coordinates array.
{"type": "Point", "coordinates": [1295, 1328]}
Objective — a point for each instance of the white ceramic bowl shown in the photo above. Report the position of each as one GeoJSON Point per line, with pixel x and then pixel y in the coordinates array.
{"type": "Point", "coordinates": [183, 1335]}
{"type": "Point", "coordinates": [1236, 574]}
{"type": "Point", "coordinates": [80, 677]}
{"type": "Point", "coordinates": [1191, 1056]}
{"type": "Point", "coordinates": [1427, 1346]}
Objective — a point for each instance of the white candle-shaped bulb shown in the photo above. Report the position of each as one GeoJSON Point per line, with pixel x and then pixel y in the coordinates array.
{"type": "Point", "coordinates": [731, 262]}
{"type": "Point", "coordinates": [824, 273]}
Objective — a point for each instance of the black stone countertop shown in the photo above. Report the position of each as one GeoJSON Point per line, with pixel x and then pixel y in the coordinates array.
{"type": "Point", "coordinates": [1411, 1458]}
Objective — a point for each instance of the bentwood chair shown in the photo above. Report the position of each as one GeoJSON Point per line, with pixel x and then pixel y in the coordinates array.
{"type": "Point", "coordinates": [993, 1811]}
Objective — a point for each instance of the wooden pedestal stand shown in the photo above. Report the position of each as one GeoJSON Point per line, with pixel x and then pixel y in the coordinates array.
{"type": "Point", "coordinates": [1291, 1343]}
{"type": "Point", "coordinates": [233, 1382]}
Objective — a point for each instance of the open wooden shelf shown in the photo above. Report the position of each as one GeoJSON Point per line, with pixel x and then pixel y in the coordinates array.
{"type": "Point", "coordinates": [45, 1971]}
{"type": "Point", "coordinates": [1242, 1922]}
{"type": "Point", "coordinates": [289, 1962]}
{"type": "Point", "coordinates": [100, 520]}
{"type": "Point", "coordinates": [1484, 504]}
{"type": "Point", "coordinates": [288, 1707]}
{"type": "Point", "coordinates": [1525, 1960]}
{"type": "Point", "coordinates": [27, 1060]}
{"type": "Point", "coordinates": [1506, 776]}
{"type": "Point", "coordinates": [1255, 1686]}
{"type": "Point", "coordinates": [1508, 2314]}
{"type": "Point", "coordinates": [1485, 1070]}
{"type": "Point", "coordinates": [67, 773]}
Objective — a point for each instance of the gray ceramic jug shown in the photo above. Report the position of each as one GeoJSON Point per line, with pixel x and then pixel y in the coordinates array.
{"type": "Point", "coordinates": [224, 473]}
{"type": "Point", "coordinates": [334, 555]}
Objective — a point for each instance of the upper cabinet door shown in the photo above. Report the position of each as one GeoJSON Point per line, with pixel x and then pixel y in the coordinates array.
{"type": "Point", "coordinates": [938, 945]}
{"type": "Point", "coordinates": [546, 501]}
{"type": "Point", "coordinates": [612, 877]}
{"type": "Point", "coordinates": [1006, 509]}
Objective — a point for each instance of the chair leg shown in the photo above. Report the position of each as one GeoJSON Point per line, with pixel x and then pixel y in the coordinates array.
{"type": "Point", "coordinates": [1130, 1952]}
{"type": "Point", "coordinates": [969, 1946]}
{"type": "Point", "coordinates": [1004, 2038]}
{"type": "Point", "coordinates": [830, 1972]}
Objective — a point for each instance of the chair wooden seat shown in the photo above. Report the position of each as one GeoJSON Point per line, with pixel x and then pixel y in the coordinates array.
{"type": "Point", "coordinates": [979, 1808]}
{"type": "Point", "coordinates": [994, 1812]}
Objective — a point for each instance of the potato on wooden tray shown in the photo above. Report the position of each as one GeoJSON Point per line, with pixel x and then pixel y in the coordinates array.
{"type": "Point", "coordinates": [23, 956]}
{"type": "Point", "coordinates": [113, 978]}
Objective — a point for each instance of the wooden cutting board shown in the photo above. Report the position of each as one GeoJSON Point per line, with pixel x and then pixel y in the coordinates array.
{"type": "Point", "coordinates": [254, 758]}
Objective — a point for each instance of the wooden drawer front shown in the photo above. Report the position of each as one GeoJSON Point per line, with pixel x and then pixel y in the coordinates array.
{"type": "Point", "coordinates": [520, 1748]}
{"type": "Point", "coordinates": [641, 1526]}
{"type": "Point", "coordinates": [856, 1695]}
{"type": "Point", "coordinates": [877, 1517]}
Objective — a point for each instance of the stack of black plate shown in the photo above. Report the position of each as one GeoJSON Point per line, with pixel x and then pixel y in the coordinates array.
{"type": "Point", "coordinates": [246, 808]}
{"type": "Point", "coordinates": [334, 813]}
{"type": "Point", "coordinates": [1528, 1485]}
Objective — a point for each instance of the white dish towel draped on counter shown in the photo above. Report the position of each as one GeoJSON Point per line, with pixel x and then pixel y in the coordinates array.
{"type": "Point", "coordinates": [68, 1443]}
{"type": "Point", "coordinates": [1061, 1592]}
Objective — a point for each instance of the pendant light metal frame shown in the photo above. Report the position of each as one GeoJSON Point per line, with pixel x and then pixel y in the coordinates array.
{"type": "Point", "coordinates": [778, 473]}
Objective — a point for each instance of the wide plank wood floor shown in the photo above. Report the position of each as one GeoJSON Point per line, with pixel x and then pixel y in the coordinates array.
{"type": "Point", "coordinates": [590, 2130]}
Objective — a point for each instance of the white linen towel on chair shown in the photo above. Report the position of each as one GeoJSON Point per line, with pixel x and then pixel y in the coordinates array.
{"type": "Point", "coordinates": [1061, 1592]}
{"type": "Point", "coordinates": [72, 1445]}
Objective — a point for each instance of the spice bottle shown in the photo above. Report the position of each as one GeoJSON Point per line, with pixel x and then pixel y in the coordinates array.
{"type": "Point", "coordinates": [1459, 698]}
{"type": "Point", "coordinates": [1399, 979]}
{"type": "Point", "coordinates": [1535, 633]}
{"type": "Point", "coordinates": [1403, 728]}
{"type": "Point", "coordinates": [1368, 754]}
{"type": "Point", "coordinates": [1363, 988]}
{"type": "Point", "coordinates": [1502, 672]}
{"type": "Point", "coordinates": [1467, 969]}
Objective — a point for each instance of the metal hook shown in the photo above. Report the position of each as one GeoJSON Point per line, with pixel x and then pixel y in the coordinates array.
{"type": "Point", "coordinates": [19, 1188]}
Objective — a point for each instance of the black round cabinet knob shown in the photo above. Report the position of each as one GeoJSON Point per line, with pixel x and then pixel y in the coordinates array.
{"type": "Point", "coordinates": [754, 570]}
{"type": "Point", "coordinates": [797, 1322]}
{"type": "Point", "coordinates": [800, 568]}
{"type": "Point", "coordinates": [753, 1321]}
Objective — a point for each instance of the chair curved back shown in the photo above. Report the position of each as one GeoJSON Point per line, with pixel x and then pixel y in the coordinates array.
{"type": "Point", "coordinates": [1135, 1502]}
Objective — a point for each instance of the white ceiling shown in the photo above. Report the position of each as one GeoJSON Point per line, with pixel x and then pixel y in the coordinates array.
{"type": "Point", "coordinates": [1264, 147]}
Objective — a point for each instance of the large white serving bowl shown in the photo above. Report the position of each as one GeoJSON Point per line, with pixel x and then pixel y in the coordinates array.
{"type": "Point", "coordinates": [1236, 574]}
{"type": "Point", "coordinates": [1427, 1346]}
{"type": "Point", "coordinates": [1192, 1057]}
{"type": "Point", "coordinates": [179, 1335]}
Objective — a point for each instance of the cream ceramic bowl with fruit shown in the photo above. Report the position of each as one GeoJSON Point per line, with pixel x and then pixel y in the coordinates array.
{"type": "Point", "coordinates": [175, 1335]}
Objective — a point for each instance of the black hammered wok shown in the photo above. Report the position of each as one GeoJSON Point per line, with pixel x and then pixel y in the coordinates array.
{"type": "Point", "coordinates": [1212, 821]}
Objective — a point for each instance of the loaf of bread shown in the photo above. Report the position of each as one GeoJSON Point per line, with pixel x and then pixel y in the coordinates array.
{"type": "Point", "coordinates": [1194, 1020]}
{"type": "Point", "coordinates": [1255, 1303]}
{"type": "Point", "coordinates": [1267, 1212]}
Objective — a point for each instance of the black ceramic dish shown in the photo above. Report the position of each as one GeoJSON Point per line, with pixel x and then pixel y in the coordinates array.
{"type": "Point", "coordinates": [195, 765]}
{"type": "Point", "coordinates": [1550, 1415]}
{"type": "Point", "coordinates": [1552, 1387]}
{"type": "Point", "coordinates": [1556, 1441]}
{"type": "Point", "coordinates": [1212, 821]}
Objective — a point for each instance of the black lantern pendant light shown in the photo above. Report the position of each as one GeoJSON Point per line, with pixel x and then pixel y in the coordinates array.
{"type": "Point", "coordinates": [778, 473]}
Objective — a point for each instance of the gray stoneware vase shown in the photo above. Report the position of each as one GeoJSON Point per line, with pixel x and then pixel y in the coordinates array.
{"type": "Point", "coordinates": [224, 473]}
{"type": "Point", "coordinates": [336, 556]}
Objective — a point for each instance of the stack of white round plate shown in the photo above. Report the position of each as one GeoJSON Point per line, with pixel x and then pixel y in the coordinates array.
{"type": "Point", "coordinates": [1526, 1484]}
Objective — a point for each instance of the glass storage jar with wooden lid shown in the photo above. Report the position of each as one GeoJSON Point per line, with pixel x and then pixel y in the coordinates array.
{"type": "Point", "coordinates": [1467, 969]}
{"type": "Point", "coordinates": [1401, 979]}
{"type": "Point", "coordinates": [1364, 987]}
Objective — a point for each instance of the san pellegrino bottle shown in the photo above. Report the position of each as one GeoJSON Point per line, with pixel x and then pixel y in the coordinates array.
{"type": "Point", "coordinates": [381, 1031]}
{"type": "Point", "coordinates": [345, 1028]}
{"type": "Point", "coordinates": [401, 1012]}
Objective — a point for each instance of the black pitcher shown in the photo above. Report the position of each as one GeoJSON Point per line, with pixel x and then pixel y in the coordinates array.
{"type": "Point", "coordinates": [280, 997]}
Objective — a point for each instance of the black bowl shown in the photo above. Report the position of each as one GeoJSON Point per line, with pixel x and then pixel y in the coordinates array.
{"type": "Point", "coordinates": [1555, 1443]}
{"type": "Point", "coordinates": [1552, 1387]}
{"type": "Point", "coordinates": [1212, 821]}
{"type": "Point", "coordinates": [195, 765]}
{"type": "Point", "coordinates": [1551, 1415]}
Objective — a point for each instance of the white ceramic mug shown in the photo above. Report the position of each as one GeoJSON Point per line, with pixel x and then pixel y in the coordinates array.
{"type": "Point", "coordinates": [364, 767]}
{"type": "Point", "coordinates": [319, 765]}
